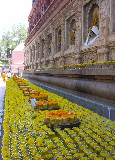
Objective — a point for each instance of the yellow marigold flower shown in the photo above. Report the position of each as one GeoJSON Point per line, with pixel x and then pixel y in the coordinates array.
{"type": "Point", "coordinates": [57, 155]}
{"type": "Point", "coordinates": [39, 139]}
{"type": "Point", "coordinates": [24, 153]}
{"type": "Point", "coordinates": [27, 158]}
{"type": "Point", "coordinates": [60, 158]}
{"type": "Point", "coordinates": [7, 159]}
{"type": "Point", "coordinates": [39, 144]}
{"type": "Point", "coordinates": [15, 155]}
{"type": "Point", "coordinates": [48, 156]}
{"type": "Point", "coordinates": [68, 140]}
{"type": "Point", "coordinates": [37, 157]}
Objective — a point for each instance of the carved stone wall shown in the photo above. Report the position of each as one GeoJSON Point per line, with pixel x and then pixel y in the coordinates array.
{"type": "Point", "coordinates": [63, 30]}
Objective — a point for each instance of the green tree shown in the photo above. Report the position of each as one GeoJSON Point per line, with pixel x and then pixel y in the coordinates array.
{"type": "Point", "coordinates": [11, 38]}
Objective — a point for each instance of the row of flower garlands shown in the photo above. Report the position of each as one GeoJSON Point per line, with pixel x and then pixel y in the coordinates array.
{"type": "Point", "coordinates": [110, 64]}
{"type": "Point", "coordinates": [26, 137]}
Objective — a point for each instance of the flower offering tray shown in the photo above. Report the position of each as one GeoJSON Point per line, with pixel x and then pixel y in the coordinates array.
{"type": "Point", "coordinates": [63, 125]}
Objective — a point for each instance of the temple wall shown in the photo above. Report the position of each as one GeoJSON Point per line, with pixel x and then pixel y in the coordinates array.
{"type": "Point", "coordinates": [63, 38]}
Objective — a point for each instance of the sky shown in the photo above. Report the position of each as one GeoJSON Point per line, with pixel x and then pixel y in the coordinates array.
{"type": "Point", "coordinates": [13, 12]}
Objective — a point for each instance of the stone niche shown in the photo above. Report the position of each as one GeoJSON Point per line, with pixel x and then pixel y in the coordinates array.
{"type": "Point", "coordinates": [43, 48]}
{"type": "Point", "coordinates": [90, 22]}
{"type": "Point", "coordinates": [70, 32]}
{"type": "Point", "coordinates": [58, 38]}
{"type": "Point", "coordinates": [49, 44]}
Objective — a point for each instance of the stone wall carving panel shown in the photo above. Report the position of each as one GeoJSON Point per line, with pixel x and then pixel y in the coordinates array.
{"type": "Point", "coordinates": [89, 57]}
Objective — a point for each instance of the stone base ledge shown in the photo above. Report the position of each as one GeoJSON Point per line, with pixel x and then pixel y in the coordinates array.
{"type": "Point", "coordinates": [97, 88]}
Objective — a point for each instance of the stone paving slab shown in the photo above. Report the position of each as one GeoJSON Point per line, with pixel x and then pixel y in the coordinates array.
{"type": "Point", "coordinates": [2, 95]}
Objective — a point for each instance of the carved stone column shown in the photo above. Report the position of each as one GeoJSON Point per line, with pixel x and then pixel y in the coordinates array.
{"type": "Point", "coordinates": [102, 54]}
{"type": "Point", "coordinates": [104, 21]}
{"type": "Point", "coordinates": [30, 55]}
{"type": "Point", "coordinates": [62, 61]}
{"type": "Point", "coordinates": [112, 16]}
{"type": "Point", "coordinates": [103, 51]}
{"type": "Point", "coordinates": [45, 51]}
{"type": "Point", "coordinates": [78, 34]}
{"type": "Point", "coordinates": [62, 39]}
{"type": "Point", "coordinates": [53, 41]}
{"type": "Point", "coordinates": [111, 44]}
{"type": "Point", "coordinates": [27, 57]}
{"type": "Point", "coordinates": [37, 50]}
{"type": "Point", "coordinates": [40, 49]}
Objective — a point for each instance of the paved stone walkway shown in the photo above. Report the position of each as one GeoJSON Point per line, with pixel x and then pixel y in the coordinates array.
{"type": "Point", "coordinates": [2, 94]}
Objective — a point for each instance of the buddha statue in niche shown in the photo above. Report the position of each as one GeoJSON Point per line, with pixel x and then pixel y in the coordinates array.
{"type": "Point", "coordinates": [50, 43]}
{"type": "Point", "coordinates": [93, 32]}
{"type": "Point", "coordinates": [59, 40]}
{"type": "Point", "coordinates": [72, 34]}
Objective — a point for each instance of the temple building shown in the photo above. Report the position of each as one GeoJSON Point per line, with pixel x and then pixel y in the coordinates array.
{"type": "Point", "coordinates": [17, 60]}
{"type": "Point", "coordinates": [62, 35]}
{"type": "Point", "coordinates": [69, 32]}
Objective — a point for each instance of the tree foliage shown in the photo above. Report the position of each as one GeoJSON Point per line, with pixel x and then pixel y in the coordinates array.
{"type": "Point", "coordinates": [11, 38]}
{"type": "Point", "coordinates": [4, 62]}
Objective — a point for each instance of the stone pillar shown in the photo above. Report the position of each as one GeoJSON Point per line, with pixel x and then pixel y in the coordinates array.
{"type": "Point", "coordinates": [78, 33]}
{"type": "Point", "coordinates": [37, 50]}
{"type": "Point", "coordinates": [104, 21]}
{"type": "Point", "coordinates": [102, 54]}
{"type": "Point", "coordinates": [112, 15]}
{"type": "Point", "coordinates": [103, 51]}
{"type": "Point", "coordinates": [40, 48]}
{"type": "Point", "coordinates": [30, 53]}
{"type": "Point", "coordinates": [45, 47]}
{"type": "Point", "coordinates": [111, 38]}
{"type": "Point", "coordinates": [63, 45]}
{"type": "Point", "coordinates": [26, 57]}
{"type": "Point", "coordinates": [53, 41]}
{"type": "Point", "coordinates": [52, 47]}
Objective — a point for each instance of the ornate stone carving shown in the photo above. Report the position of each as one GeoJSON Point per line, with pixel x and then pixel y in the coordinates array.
{"type": "Point", "coordinates": [102, 54]}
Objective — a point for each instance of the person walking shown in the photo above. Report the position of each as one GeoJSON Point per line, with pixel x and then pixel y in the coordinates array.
{"type": "Point", "coordinates": [9, 74]}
